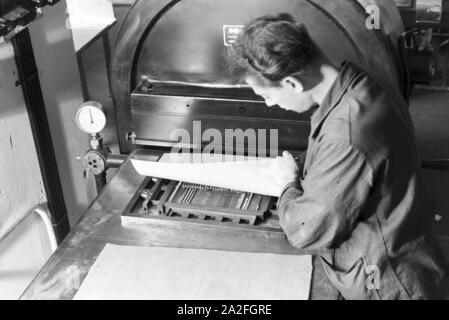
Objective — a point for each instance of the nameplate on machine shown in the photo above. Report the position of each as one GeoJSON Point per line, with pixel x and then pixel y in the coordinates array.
{"type": "Point", "coordinates": [231, 33]}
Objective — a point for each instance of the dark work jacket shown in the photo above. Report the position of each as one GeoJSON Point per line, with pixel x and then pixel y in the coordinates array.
{"type": "Point", "coordinates": [362, 202]}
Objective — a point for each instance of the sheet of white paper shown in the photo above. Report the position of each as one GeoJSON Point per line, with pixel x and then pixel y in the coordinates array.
{"type": "Point", "coordinates": [236, 173]}
{"type": "Point", "coordinates": [87, 18]}
{"type": "Point", "coordinates": [90, 14]}
{"type": "Point", "coordinates": [122, 272]}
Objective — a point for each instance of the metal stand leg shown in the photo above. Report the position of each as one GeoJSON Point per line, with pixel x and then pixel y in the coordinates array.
{"type": "Point", "coordinates": [83, 76]}
{"type": "Point", "coordinates": [100, 181]}
{"type": "Point", "coordinates": [107, 57]}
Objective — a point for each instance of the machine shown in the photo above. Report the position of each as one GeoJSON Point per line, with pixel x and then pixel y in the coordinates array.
{"type": "Point", "coordinates": [168, 73]}
{"type": "Point", "coordinates": [426, 41]}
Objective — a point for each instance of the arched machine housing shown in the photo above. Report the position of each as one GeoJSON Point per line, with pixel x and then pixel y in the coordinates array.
{"type": "Point", "coordinates": [168, 67]}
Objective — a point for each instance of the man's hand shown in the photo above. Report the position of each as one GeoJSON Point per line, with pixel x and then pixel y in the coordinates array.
{"type": "Point", "coordinates": [285, 170]}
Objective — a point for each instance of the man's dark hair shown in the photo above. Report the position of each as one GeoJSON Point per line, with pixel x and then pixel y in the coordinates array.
{"type": "Point", "coordinates": [273, 47]}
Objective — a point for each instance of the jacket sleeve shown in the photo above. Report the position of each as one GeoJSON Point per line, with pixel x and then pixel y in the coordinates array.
{"type": "Point", "coordinates": [322, 210]}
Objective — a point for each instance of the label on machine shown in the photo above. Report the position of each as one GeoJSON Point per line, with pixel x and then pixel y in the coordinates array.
{"type": "Point", "coordinates": [230, 34]}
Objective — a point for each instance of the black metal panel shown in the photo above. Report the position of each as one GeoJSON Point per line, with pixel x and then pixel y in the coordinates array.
{"type": "Point", "coordinates": [29, 80]}
{"type": "Point", "coordinates": [190, 89]}
{"type": "Point", "coordinates": [183, 41]}
{"type": "Point", "coordinates": [187, 42]}
{"type": "Point", "coordinates": [157, 117]}
{"type": "Point", "coordinates": [410, 15]}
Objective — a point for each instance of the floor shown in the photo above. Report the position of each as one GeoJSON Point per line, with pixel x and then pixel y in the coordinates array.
{"type": "Point", "coordinates": [429, 109]}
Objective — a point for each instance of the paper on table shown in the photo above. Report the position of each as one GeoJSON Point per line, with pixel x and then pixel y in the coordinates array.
{"type": "Point", "coordinates": [193, 274]}
{"type": "Point", "coordinates": [248, 174]}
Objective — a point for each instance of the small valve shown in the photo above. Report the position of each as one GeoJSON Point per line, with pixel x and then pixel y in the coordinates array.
{"type": "Point", "coordinates": [91, 119]}
{"type": "Point", "coordinates": [95, 162]}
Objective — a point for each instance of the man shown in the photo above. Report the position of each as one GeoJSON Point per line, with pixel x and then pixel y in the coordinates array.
{"type": "Point", "coordinates": [361, 201]}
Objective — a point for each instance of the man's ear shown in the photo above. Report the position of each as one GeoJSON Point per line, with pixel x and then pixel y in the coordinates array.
{"type": "Point", "coordinates": [293, 83]}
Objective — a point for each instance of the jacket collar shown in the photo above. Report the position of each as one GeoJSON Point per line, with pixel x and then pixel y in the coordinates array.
{"type": "Point", "coordinates": [346, 76]}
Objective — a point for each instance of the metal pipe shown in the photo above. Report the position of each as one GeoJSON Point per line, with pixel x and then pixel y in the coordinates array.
{"type": "Point", "coordinates": [45, 217]}
{"type": "Point", "coordinates": [115, 160]}
{"type": "Point", "coordinates": [100, 181]}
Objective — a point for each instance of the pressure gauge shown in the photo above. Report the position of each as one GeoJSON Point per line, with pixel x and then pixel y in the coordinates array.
{"type": "Point", "coordinates": [91, 118]}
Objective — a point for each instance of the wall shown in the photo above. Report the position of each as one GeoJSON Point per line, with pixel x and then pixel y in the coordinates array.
{"type": "Point", "coordinates": [22, 253]}
{"type": "Point", "coordinates": [25, 250]}
{"type": "Point", "coordinates": [21, 185]}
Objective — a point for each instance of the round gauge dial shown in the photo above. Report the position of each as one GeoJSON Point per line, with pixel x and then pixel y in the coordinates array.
{"type": "Point", "coordinates": [90, 117]}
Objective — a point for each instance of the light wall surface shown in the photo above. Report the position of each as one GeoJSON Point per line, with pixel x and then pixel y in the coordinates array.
{"type": "Point", "coordinates": [25, 250]}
